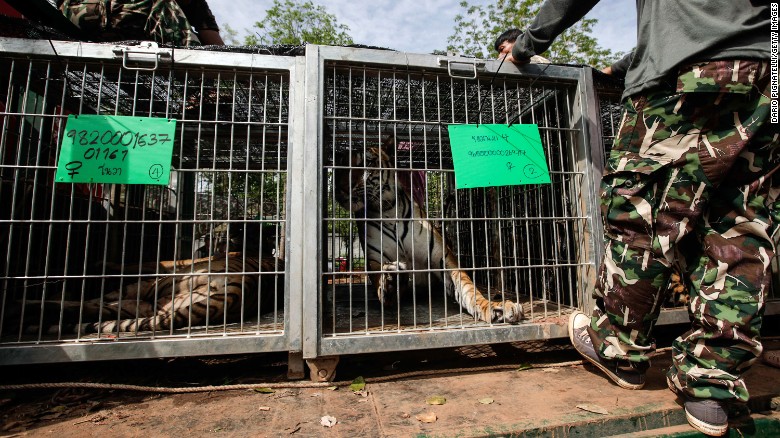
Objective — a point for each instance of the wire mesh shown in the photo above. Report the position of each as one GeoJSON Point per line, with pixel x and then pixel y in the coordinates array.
{"type": "Point", "coordinates": [203, 256]}
{"type": "Point", "coordinates": [521, 243]}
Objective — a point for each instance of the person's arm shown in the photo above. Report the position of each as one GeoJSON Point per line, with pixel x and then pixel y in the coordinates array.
{"type": "Point", "coordinates": [620, 67]}
{"type": "Point", "coordinates": [553, 18]}
{"type": "Point", "coordinates": [202, 19]}
{"type": "Point", "coordinates": [209, 37]}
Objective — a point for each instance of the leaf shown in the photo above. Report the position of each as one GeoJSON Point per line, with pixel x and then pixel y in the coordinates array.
{"type": "Point", "coordinates": [426, 417]}
{"type": "Point", "coordinates": [525, 366]}
{"type": "Point", "coordinates": [328, 421]}
{"type": "Point", "coordinates": [596, 409]}
{"type": "Point", "coordinates": [332, 388]}
{"type": "Point", "coordinates": [358, 384]}
{"type": "Point", "coordinates": [435, 400]}
{"type": "Point", "coordinates": [486, 401]}
{"type": "Point", "coordinates": [264, 390]}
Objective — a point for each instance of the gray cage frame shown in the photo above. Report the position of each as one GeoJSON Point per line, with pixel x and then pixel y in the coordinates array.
{"type": "Point", "coordinates": [468, 68]}
{"type": "Point", "coordinates": [216, 343]}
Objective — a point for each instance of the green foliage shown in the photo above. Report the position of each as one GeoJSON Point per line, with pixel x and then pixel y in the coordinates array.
{"type": "Point", "coordinates": [289, 22]}
{"type": "Point", "coordinates": [229, 35]}
{"type": "Point", "coordinates": [252, 196]}
{"type": "Point", "coordinates": [478, 26]}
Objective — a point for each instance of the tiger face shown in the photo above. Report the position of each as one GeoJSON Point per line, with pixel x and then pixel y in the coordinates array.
{"type": "Point", "coordinates": [365, 181]}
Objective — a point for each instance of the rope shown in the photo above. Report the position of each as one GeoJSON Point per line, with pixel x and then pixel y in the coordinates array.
{"type": "Point", "coordinates": [282, 385]}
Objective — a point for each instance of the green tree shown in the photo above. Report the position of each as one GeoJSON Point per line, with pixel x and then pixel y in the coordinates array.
{"type": "Point", "coordinates": [230, 35]}
{"type": "Point", "coordinates": [289, 22]}
{"type": "Point", "coordinates": [478, 26]}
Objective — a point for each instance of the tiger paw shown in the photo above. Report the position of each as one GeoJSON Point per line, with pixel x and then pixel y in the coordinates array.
{"type": "Point", "coordinates": [391, 284]}
{"type": "Point", "coordinates": [507, 311]}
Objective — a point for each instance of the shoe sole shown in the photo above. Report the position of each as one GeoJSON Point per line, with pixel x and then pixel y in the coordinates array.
{"type": "Point", "coordinates": [706, 428]}
{"type": "Point", "coordinates": [695, 423]}
{"type": "Point", "coordinates": [621, 383]}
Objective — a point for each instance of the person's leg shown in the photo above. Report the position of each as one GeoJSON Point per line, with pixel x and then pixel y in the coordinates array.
{"type": "Point", "coordinates": [728, 283]}
{"type": "Point", "coordinates": [634, 273]}
{"type": "Point", "coordinates": [650, 198]}
{"type": "Point", "coordinates": [731, 277]}
{"type": "Point", "coordinates": [703, 158]}
{"type": "Point", "coordinates": [671, 151]}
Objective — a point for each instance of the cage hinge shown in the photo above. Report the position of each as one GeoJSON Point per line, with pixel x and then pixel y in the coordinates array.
{"type": "Point", "coordinates": [142, 54]}
{"type": "Point", "coordinates": [462, 68]}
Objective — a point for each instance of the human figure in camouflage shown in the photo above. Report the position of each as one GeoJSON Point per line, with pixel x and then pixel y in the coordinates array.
{"type": "Point", "coordinates": [163, 21]}
{"type": "Point", "coordinates": [696, 156]}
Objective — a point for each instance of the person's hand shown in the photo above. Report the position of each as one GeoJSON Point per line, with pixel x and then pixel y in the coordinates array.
{"type": "Point", "coordinates": [607, 70]}
{"type": "Point", "coordinates": [510, 58]}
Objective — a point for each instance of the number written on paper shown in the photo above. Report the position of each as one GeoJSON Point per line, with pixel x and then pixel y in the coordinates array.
{"type": "Point", "coordinates": [116, 149]}
{"type": "Point", "coordinates": [497, 155]}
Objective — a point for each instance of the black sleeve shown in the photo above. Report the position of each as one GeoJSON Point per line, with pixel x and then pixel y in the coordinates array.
{"type": "Point", "coordinates": [620, 67]}
{"type": "Point", "coordinates": [554, 17]}
{"type": "Point", "coordinates": [199, 14]}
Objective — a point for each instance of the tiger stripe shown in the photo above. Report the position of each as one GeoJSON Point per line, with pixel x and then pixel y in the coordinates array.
{"type": "Point", "coordinates": [391, 228]}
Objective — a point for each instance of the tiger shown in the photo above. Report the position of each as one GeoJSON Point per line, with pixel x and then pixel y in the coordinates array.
{"type": "Point", "coordinates": [396, 234]}
{"type": "Point", "coordinates": [679, 296]}
{"type": "Point", "coordinates": [205, 291]}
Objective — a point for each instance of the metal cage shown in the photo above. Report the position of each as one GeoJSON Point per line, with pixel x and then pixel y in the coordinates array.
{"type": "Point", "coordinates": [530, 244]}
{"type": "Point", "coordinates": [97, 271]}
{"type": "Point", "coordinates": [263, 240]}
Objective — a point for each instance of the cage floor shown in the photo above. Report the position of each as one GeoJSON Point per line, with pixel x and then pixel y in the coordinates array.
{"type": "Point", "coordinates": [267, 324]}
{"type": "Point", "coordinates": [353, 314]}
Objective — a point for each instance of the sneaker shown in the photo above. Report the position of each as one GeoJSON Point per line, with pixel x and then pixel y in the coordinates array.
{"type": "Point", "coordinates": [626, 374]}
{"type": "Point", "coordinates": [708, 416]}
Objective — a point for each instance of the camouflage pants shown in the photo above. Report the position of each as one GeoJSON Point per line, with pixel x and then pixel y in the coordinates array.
{"type": "Point", "coordinates": [162, 21]}
{"type": "Point", "coordinates": [698, 163]}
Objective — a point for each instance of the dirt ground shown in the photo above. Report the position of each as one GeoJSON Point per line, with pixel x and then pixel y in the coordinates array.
{"type": "Point", "coordinates": [75, 412]}
{"type": "Point", "coordinates": [488, 392]}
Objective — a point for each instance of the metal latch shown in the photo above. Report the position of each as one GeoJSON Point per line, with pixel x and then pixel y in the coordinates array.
{"type": "Point", "coordinates": [146, 51]}
{"type": "Point", "coordinates": [472, 65]}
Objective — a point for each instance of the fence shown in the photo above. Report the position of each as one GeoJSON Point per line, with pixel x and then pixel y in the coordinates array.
{"type": "Point", "coordinates": [527, 244]}
{"type": "Point", "coordinates": [312, 206]}
{"type": "Point", "coordinates": [92, 270]}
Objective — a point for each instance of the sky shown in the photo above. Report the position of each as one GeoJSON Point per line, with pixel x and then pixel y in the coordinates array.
{"type": "Point", "coordinates": [421, 26]}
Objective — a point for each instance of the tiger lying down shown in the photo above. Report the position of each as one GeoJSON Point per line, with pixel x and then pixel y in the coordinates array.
{"type": "Point", "coordinates": [208, 291]}
{"type": "Point", "coordinates": [400, 237]}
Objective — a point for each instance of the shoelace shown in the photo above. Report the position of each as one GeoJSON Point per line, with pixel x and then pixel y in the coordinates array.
{"type": "Point", "coordinates": [583, 335]}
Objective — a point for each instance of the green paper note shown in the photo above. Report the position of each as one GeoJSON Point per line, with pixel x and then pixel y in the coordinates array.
{"type": "Point", "coordinates": [497, 155]}
{"type": "Point", "coordinates": [116, 150]}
